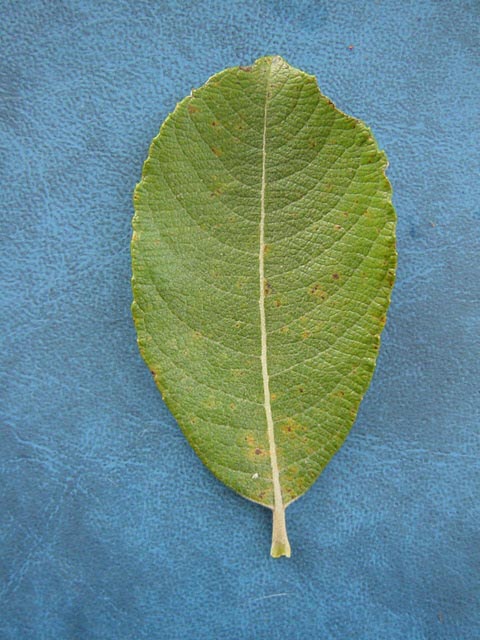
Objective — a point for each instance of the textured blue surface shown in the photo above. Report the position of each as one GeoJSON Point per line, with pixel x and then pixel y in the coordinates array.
{"type": "Point", "coordinates": [110, 526]}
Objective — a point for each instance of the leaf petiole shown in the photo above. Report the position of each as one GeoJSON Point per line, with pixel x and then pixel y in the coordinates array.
{"type": "Point", "coordinates": [280, 543]}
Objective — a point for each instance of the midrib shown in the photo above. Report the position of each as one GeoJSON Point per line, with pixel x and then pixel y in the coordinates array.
{"type": "Point", "coordinates": [277, 490]}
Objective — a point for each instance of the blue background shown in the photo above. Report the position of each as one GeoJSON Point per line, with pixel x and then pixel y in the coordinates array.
{"type": "Point", "coordinates": [111, 528]}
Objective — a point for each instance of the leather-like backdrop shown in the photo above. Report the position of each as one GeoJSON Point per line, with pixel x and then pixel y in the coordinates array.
{"type": "Point", "coordinates": [110, 526]}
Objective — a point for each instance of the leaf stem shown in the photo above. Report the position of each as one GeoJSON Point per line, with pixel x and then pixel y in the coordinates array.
{"type": "Point", "coordinates": [280, 543]}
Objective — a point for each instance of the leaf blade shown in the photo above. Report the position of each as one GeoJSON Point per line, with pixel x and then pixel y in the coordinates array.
{"type": "Point", "coordinates": [260, 198]}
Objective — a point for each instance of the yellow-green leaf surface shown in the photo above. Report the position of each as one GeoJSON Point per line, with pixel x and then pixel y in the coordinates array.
{"type": "Point", "coordinates": [263, 259]}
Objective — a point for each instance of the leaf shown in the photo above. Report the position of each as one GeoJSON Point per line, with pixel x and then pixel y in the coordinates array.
{"type": "Point", "coordinates": [263, 259]}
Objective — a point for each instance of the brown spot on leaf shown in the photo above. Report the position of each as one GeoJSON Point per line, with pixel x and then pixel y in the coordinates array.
{"type": "Point", "coordinates": [317, 291]}
{"type": "Point", "coordinates": [291, 426]}
{"type": "Point", "coordinates": [247, 69]}
{"type": "Point", "coordinates": [215, 123]}
{"type": "Point", "coordinates": [192, 108]}
{"type": "Point", "coordinates": [337, 227]}
{"type": "Point", "coordinates": [335, 276]}
{"type": "Point", "coordinates": [258, 451]}
{"type": "Point", "coordinates": [267, 288]}
{"type": "Point", "coordinates": [217, 151]}
{"type": "Point", "coordinates": [278, 303]}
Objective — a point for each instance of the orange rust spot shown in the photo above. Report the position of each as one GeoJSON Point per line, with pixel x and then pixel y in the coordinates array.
{"type": "Point", "coordinates": [232, 406]}
{"type": "Point", "coordinates": [266, 249]}
{"type": "Point", "coordinates": [306, 334]}
{"type": "Point", "coordinates": [273, 397]}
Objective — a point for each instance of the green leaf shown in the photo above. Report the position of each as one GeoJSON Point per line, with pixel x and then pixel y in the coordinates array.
{"type": "Point", "coordinates": [263, 259]}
